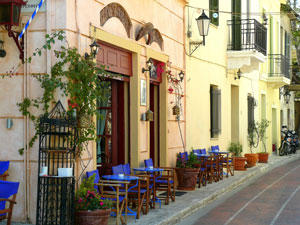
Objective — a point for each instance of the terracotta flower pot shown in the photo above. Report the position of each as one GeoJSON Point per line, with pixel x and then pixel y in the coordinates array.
{"type": "Point", "coordinates": [239, 163]}
{"type": "Point", "coordinates": [187, 178]}
{"type": "Point", "coordinates": [263, 157]}
{"type": "Point", "coordinates": [251, 159]}
{"type": "Point", "coordinates": [96, 217]}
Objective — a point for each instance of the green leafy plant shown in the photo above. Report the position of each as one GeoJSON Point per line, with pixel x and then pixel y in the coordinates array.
{"type": "Point", "coordinates": [253, 137]}
{"type": "Point", "coordinates": [191, 162]}
{"type": "Point", "coordinates": [87, 198]}
{"type": "Point", "coordinates": [235, 148]}
{"type": "Point", "coordinates": [72, 77]}
{"type": "Point", "coordinates": [261, 128]}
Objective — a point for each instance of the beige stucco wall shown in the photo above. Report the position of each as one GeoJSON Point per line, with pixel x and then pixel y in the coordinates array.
{"type": "Point", "coordinates": [77, 18]}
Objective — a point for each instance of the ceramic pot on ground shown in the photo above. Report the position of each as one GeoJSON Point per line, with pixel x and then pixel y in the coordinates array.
{"type": "Point", "coordinates": [187, 178]}
{"type": "Point", "coordinates": [239, 163]}
{"type": "Point", "coordinates": [251, 160]}
{"type": "Point", "coordinates": [263, 157]}
{"type": "Point", "coordinates": [95, 217]}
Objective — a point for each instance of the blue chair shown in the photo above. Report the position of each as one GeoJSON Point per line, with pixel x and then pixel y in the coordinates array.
{"type": "Point", "coordinates": [227, 161]}
{"type": "Point", "coordinates": [203, 151]}
{"type": "Point", "coordinates": [165, 182]}
{"type": "Point", "coordinates": [127, 169]}
{"type": "Point", "coordinates": [184, 155]}
{"type": "Point", "coordinates": [117, 196]}
{"type": "Point", "coordinates": [7, 189]}
{"type": "Point", "coordinates": [215, 148]}
{"type": "Point", "coordinates": [3, 169]}
{"type": "Point", "coordinates": [117, 169]}
{"type": "Point", "coordinates": [196, 151]}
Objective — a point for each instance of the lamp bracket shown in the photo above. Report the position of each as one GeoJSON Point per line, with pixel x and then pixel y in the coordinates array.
{"type": "Point", "coordinates": [20, 44]}
{"type": "Point", "coordinates": [194, 45]}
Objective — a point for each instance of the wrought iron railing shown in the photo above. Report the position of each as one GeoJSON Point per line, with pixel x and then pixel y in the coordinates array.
{"type": "Point", "coordinates": [247, 34]}
{"type": "Point", "coordinates": [279, 66]}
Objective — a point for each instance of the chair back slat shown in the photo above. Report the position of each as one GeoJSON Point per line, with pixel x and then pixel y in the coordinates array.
{"type": "Point", "coordinates": [3, 166]}
{"type": "Point", "coordinates": [117, 169]}
{"type": "Point", "coordinates": [196, 151]}
{"type": "Point", "coordinates": [126, 169]}
{"type": "Point", "coordinates": [215, 148]}
{"type": "Point", "coordinates": [97, 178]}
{"type": "Point", "coordinates": [148, 162]}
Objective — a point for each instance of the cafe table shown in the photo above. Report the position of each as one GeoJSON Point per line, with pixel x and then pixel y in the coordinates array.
{"type": "Point", "coordinates": [124, 178]}
{"type": "Point", "coordinates": [156, 173]}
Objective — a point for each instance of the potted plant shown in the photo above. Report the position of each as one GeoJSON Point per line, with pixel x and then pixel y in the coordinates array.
{"type": "Point", "coordinates": [253, 140]}
{"type": "Point", "coordinates": [236, 149]}
{"type": "Point", "coordinates": [90, 209]}
{"type": "Point", "coordinates": [187, 171]}
{"type": "Point", "coordinates": [262, 127]}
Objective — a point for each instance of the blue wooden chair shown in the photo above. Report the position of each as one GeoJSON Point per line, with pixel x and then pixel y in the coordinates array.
{"type": "Point", "coordinates": [3, 169]}
{"type": "Point", "coordinates": [203, 151]}
{"type": "Point", "coordinates": [127, 169]}
{"type": "Point", "coordinates": [215, 148]}
{"type": "Point", "coordinates": [227, 161]}
{"type": "Point", "coordinates": [119, 198]}
{"type": "Point", "coordinates": [117, 169]}
{"type": "Point", "coordinates": [165, 182]}
{"type": "Point", "coordinates": [7, 189]}
{"type": "Point", "coordinates": [196, 151]}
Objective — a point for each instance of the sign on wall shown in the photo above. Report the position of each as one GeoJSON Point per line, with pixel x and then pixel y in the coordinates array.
{"type": "Point", "coordinates": [31, 6]}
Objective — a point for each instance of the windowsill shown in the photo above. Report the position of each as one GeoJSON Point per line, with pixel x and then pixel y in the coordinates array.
{"type": "Point", "coordinates": [215, 138]}
{"type": "Point", "coordinates": [214, 26]}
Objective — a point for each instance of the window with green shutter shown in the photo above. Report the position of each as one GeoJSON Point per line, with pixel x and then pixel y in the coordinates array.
{"type": "Point", "coordinates": [214, 12]}
{"type": "Point", "coordinates": [215, 111]}
{"type": "Point", "coordinates": [251, 102]}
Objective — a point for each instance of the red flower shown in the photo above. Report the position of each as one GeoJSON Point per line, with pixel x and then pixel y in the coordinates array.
{"type": "Point", "coordinates": [170, 90]}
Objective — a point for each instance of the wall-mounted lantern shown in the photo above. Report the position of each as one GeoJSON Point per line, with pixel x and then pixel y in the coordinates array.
{"type": "Point", "coordinates": [149, 64]}
{"type": "Point", "coordinates": [9, 16]}
{"type": "Point", "coordinates": [203, 23]}
{"type": "Point", "coordinates": [176, 110]}
{"type": "Point", "coordinates": [287, 95]}
{"type": "Point", "coordinates": [2, 51]}
{"type": "Point", "coordinates": [9, 123]}
{"type": "Point", "coordinates": [238, 74]}
{"type": "Point", "coordinates": [149, 115]}
{"type": "Point", "coordinates": [181, 75]}
{"type": "Point", "coordinates": [94, 50]}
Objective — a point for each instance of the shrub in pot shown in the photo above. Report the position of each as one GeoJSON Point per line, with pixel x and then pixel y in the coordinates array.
{"type": "Point", "coordinates": [187, 171]}
{"type": "Point", "coordinates": [90, 209]}
{"type": "Point", "coordinates": [236, 149]}
{"type": "Point", "coordinates": [262, 127]}
{"type": "Point", "coordinates": [253, 140]}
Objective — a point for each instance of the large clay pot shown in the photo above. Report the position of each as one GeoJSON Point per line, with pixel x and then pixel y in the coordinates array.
{"type": "Point", "coordinates": [239, 163]}
{"type": "Point", "coordinates": [251, 160]}
{"type": "Point", "coordinates": [187, 178]}
{"type": "Point", "coordinates": [96, 217]}
{"type": "Point", "coordinates": [263, 157]}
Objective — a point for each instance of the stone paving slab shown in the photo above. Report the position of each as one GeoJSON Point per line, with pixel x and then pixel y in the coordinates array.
{"type": "Point", "coordinates": [194, 200]}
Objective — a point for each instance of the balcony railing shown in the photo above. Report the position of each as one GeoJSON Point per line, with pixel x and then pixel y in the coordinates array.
{"type": "Point", "coordinates": [247, 34]}
{"type": "Point", "coordinates": [279, 66]}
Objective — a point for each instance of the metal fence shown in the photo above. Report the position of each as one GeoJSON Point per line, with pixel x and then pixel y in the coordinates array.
{"type": "Point", "coordinates": [279, 66]}
{"type": "Point", "coordinates": [247, 34]}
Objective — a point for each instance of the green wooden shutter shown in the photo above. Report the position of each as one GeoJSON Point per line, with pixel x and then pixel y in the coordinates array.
{"type": "Point", "coordinates": [250, 112]}
{"type": "Point", "coordinates": [236, 24]}
{"type": "Point", "coordinates": [214, 8]}
{"type": "Point", "coordinates": [215, 112]}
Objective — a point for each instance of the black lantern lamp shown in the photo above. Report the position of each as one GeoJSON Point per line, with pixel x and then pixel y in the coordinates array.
{"type": "Point", "coordinates": [203, 22]}
{"type": "Point", "coordinates": [2, 51]}
{"type": "Point", "coordinates": [94, 50]}
{"type": "Point", "coordinates": [9, 16]}
{"type": "Point", "coordinates": [287, 96]}
{"type": "Point", "coordinates": [149, 64]}
{"type": "Point", "coordinates": [238, 74]}
{"type": "Point", "coordinates": [181, 75]}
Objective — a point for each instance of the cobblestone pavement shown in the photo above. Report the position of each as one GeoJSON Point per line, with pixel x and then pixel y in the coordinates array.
{"type": "Point", "coordinates": [192, 201]}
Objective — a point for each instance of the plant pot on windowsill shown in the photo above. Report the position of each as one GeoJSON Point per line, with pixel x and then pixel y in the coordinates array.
{"type": "Point", "coordinates": [263, 157]}
{"type": "Point", "coordinates": [239, 163]}
{"type": "Point", "coordinates": [251, 160]}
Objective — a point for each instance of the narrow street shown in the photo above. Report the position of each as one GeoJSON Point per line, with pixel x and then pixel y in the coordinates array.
{"type": "Point", "coordinates": [273, 198]}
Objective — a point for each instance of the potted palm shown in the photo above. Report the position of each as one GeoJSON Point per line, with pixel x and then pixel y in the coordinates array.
{"type": "Point", "coordinates": [90, 209]}
{"type": "Point", "coordinates": [236, 149]}
{"type": "Point", "coordinates": [262, 127]}
{"type": "Point", "coordinates": [253, 140]}
{"type": "Point", "coordinates": [187, 171]}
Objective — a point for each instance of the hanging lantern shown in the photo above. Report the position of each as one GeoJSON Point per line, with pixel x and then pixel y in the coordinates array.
{"type": "Point", "coordinates": [149, 115]}
{"type": "Point", "coordinates": [10, 12]}
{"type": "Point", "coordinates": [176, 110]}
